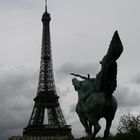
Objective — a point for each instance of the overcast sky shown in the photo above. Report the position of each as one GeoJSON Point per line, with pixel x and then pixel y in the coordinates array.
{"type": "Point", "coordinates": [81, 31]}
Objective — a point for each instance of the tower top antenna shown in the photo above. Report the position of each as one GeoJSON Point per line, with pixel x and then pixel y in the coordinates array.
{"type": "Point", "coordinates": [45, 5]}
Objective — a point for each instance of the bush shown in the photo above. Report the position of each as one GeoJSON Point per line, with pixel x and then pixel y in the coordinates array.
{"type": "Point", "coordinates": [129, 125]}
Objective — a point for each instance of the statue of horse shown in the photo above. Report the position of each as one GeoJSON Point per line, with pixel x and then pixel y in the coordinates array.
{"type": "Point", "coordinates": [95, 95]}
{"type": "Point", "coordinates": [95, 107]}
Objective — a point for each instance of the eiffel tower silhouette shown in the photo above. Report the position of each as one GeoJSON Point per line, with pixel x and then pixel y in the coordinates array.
{"type": "Point", "coordinates": [47, 98]}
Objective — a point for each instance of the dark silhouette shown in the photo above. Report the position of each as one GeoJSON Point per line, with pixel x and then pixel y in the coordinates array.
{"type": "Point", "coordinates": [95, 99]}
{"type": "Point", "coordinates": [47, 98]}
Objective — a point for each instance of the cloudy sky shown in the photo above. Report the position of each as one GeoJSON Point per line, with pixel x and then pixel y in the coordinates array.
{"type": "Point", "coordinates": [81, 31]}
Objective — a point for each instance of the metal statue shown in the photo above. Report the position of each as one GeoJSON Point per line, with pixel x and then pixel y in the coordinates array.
{"type": "Point", "coordinates": [95, 99]}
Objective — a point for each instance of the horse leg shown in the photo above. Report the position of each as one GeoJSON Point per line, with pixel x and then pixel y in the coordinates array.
{"type": "Point", "coordinates": [107, 130]}
{"type": "Point", "coordinates": [90, 131]}
{"type": "Point", "coordinates": [85, 124]}
{"type": "Point", "coordinates": [93, 122]}
{"type": "Point", "coordinates": [90, 128]}
{"type": "Point", "coordinates": [97, 127]}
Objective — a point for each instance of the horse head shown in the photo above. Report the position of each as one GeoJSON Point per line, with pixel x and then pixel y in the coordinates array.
{"type": "Point", "coordinates": [76, 83]}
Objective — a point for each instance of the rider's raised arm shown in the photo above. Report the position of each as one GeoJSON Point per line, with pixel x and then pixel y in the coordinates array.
{"type": "Point", "coordinates": [78, 75]}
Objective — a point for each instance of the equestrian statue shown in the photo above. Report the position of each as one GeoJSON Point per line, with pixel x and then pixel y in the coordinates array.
{"type": "Point", "coordinates": [95, 95]}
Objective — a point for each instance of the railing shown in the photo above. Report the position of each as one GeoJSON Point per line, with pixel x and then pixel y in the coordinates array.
{"type": "Point", "coordinates": [47, 127]}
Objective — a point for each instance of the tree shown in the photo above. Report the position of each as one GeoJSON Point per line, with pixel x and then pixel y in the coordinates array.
{"type": "Point", "coordinates": [129, 125]}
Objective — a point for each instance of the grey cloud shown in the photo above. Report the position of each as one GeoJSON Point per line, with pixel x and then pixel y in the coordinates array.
{"type": "Point", "coordinates": [136, 78]}
{"type": "Point", "coordinates": [63, 92]}
{"type": "Point", "coordinates": [17, 89]}
{"type": "Point", "coordinates": [16, 3]}
{"type": "Point", "coordinates": [126, 97]}
{"type": "Point", "coordinates": [78, 130]}
{"type": "Point", "coordinates": [79, 68]}
{"type": "Point", "coordinates": [72, 108]}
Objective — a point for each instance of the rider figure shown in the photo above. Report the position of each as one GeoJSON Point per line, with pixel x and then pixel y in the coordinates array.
{"type": "Point", "coordinates": [86, 88]}
{"type": "Point", "coordinates": [87, 85]}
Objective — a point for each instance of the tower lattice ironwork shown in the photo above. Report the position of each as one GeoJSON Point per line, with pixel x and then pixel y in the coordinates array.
{"type": "Point", "coordinates": [46, 99]}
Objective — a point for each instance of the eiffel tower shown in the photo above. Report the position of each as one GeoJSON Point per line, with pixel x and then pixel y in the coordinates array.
{"type": "Point", "coordinates": [47, 98]}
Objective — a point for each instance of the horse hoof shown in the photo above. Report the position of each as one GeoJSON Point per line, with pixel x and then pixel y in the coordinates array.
{"type": "Point", "coordinates": [92, 138]}
{"type": "Point", "coordinates": [88, 131]}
